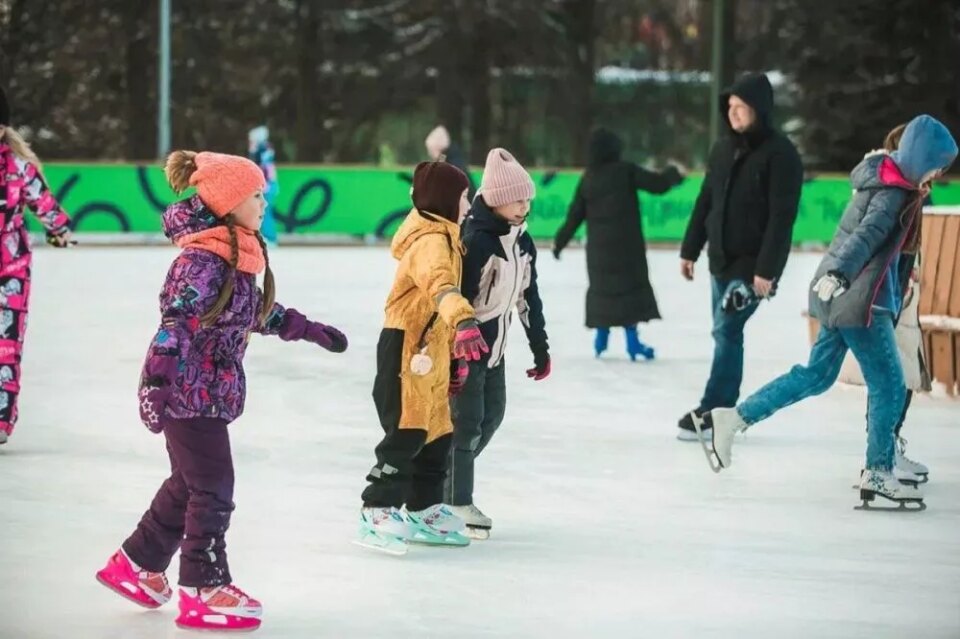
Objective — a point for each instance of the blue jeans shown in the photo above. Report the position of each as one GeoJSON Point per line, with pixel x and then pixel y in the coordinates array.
{"type": "Point", "coordinates": [875, 348]}
{"type": "Point", "coordinates": [726, 373]}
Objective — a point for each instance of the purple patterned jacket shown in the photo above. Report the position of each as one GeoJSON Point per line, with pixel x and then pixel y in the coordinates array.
{"type": "Point", "coordinates": [204, 365]}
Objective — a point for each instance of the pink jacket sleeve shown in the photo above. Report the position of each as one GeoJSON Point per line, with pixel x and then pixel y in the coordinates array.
{"type": "Point", "coordinates": [38, 197]}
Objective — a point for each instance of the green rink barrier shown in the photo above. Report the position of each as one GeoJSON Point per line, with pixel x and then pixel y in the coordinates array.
{"type": "Point", "coordinates": [371, 202]}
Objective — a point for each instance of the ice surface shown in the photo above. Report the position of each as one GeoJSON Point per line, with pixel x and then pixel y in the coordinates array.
{"type": "Point", "coordinates": [605, 525]}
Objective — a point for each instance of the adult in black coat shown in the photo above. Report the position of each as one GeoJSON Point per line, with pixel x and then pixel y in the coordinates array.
{"type": "Point", "coordinates": [744, 214]}
{"type": "Point", "coordinates": [606, 198]}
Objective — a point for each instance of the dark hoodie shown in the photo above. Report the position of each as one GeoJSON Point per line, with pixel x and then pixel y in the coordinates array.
{"type": "Point", "coordinates": [748, 202]}
{"type": "Point", "coordinates": [455, 156]}
{"type": "Point", "coordinates": [620, 293]}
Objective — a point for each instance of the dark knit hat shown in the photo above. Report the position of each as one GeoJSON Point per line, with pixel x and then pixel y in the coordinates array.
{"type": "Point", "coordinates": [4, 109]}
{"type": "Point", "coordinates": [437, 188]}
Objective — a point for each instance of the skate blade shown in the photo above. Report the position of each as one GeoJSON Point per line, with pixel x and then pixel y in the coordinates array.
{"type": "Point", "coordinates": [452, 540]}
{"type": "Point", "coordinates": [184, 625]}
{"type": "Point", "coordinates": [123, 593]}
{"type": "Point", "coordinates": [902, 505]}
{"type": "Point", "coordinates": [712, 458]}
{"type": "Point", "coordinates": [905, 506]}
{"type": "Point", "coordinates": [477, 533]}
{"type": "Point", "coordinates": [387, 546]}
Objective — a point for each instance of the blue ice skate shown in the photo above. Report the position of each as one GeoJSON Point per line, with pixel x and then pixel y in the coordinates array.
{"type": "Point", "coordinates": [635, 347]}
{"type": "Point", "coordinates": [601, 341]}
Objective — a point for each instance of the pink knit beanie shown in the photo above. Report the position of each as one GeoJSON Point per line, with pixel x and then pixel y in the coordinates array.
{"type": "Point", "coordinates": [505, 180]}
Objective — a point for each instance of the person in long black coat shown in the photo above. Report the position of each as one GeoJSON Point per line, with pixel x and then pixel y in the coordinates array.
{"type": "Point", "coordinates": [606, 198]}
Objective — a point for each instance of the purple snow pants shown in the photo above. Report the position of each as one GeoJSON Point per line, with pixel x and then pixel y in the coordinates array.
{"type": "Point", "coordinates": [191, 511]}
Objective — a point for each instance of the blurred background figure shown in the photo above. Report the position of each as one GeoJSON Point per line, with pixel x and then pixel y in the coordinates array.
{"type": "Point", "coordinates": [438, 144]}
{"type": "Point", "coordinates": [620, 293]}
{"type": "Point", "coordinates": [261, 152]}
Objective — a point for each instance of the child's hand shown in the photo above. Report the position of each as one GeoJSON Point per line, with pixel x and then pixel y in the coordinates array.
{"type": "Point", "coordinates": [155, 389]}
{"type": "Point", "coordinates": [326, 337]}
{"type": "Point", "coordinates": [469, 343]}
{"type": "Point", "coordinates": [295, 326]}
{"type": "Point", "coordinates": [541, 367]}
{"type": "Point", "coordinates": [63, 239]}
{"type": "Point", "coordinates": [459, 371]}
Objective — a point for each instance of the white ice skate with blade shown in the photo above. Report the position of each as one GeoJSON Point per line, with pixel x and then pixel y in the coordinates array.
{"type": "Point", "coordinates": [384, 530]}
{"type": "Point", "coordinates": [723, 424]}
{"type": "Point", "coordinates": [875, 483]}
{"type": "Point", "coordinates": [478, 524]}
{"type": "Point", "coordinates": [438, 526]}
{"type": "Point", "coordinates": [906, 464]}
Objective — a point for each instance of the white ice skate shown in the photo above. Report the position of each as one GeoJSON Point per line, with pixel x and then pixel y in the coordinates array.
{"type": "Point", "coordinates": [723, 425]}
{"type": "Point", "coordinates": [874, 483]}
{"type": "Point", "coordinates": [904, 477]}
{"type": "Point", "coordinates": [437, 526]}
{"type": "Point", "coordinates": [478, 524]}
{"type": "Point", "coordinates": [3, 437]}
{"type": "Point", "coordinates": [383, 529]}
{"type": "Point", "coordinates": [906, 464]}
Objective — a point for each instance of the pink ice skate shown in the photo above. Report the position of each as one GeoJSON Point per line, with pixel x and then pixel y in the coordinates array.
{"type": "Point", "coordinates": [147, 589]}
{"type": "Point", "coordinates": [221, 608]}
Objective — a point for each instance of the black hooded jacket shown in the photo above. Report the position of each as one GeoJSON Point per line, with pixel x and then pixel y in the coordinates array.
{"type": "Point", "coordinates": [606, 198]}
{"type": "Point", "coordinates": [748, 202]}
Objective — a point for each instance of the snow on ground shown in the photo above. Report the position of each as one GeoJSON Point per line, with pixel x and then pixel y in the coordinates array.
{"type": "Point", "coordinates": [605, 525]}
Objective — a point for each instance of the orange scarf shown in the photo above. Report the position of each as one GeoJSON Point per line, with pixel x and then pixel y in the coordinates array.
{"type": "Point", "coordinates": [217, 241]}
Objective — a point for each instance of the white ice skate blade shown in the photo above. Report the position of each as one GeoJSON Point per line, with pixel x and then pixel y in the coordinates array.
{"type": "Point", "coordinates": [386, 545]}
{"type": "Point", "coordinates": [712, 458]}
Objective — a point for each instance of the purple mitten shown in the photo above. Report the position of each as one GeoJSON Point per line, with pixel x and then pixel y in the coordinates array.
{"type": "Point", "coordinates": [156, 384]}
{"type": "Point", "coordinates": [326, 336]}
{"type": "Point", "coordinates": [295, 326]}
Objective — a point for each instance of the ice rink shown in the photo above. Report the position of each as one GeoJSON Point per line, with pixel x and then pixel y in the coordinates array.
{"type": "Point", "coordinates": [605, 524]}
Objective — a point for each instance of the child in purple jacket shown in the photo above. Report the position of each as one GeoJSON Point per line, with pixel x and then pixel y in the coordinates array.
{"type": "Point", "coordinates": [193, 386]}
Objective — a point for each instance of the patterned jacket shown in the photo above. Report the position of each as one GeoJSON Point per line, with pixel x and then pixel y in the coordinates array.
{"type": "Point", "coordinates": [22, 185]}
{"type": "Point", "coordinates": [209, 379]}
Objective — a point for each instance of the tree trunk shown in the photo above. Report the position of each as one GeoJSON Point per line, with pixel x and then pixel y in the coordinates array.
{"type": "Point", "coordinates": [140, 72]}
{"type": "Point", "coordinates": [579, 20]}
{"type": "Point", "coordinates": [729, 63]}
{"type": "Point", "coordinates": [310, 108]}
{"type": "Point", "coordinates": [481, 109]}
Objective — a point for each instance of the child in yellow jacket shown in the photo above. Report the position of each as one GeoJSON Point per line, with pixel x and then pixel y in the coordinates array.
{"type": "Point", "coordinates": [429, 335]}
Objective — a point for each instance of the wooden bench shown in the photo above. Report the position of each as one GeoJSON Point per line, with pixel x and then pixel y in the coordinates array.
{"type": "Point", "coordinates": [939, 298]}
{"type": "Point", "coordinates": [940, 293]}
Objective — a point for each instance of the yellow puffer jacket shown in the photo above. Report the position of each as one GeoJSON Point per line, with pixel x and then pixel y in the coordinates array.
{"type": "Point", "coordinates": [427, 282]}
